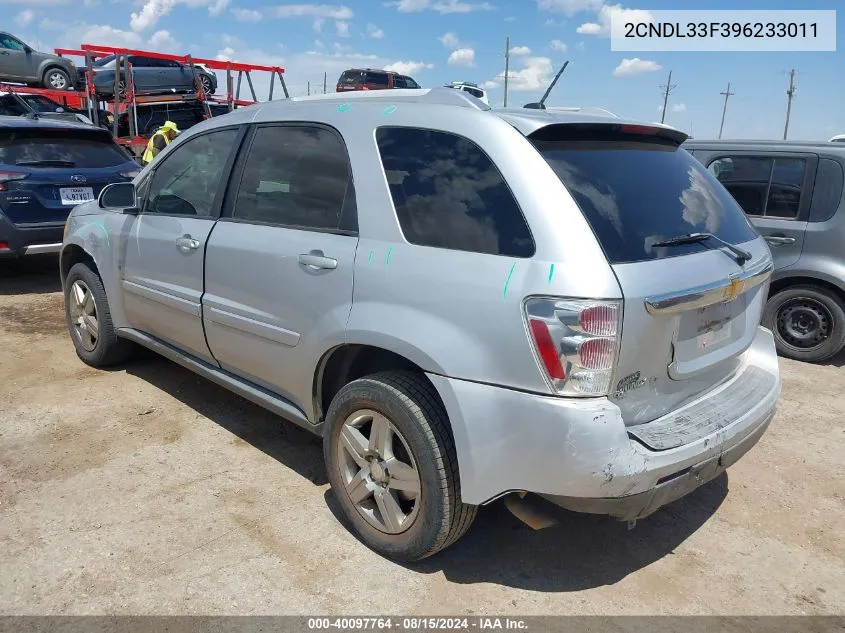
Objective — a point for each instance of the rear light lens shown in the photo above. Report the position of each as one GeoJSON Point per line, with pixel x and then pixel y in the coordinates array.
{"type": "Point", "coordinates": [4, 246]}
{"type": "Point", "coordinates": [6, 176]}
{"type": "Point", "coordinates": [576, 342]}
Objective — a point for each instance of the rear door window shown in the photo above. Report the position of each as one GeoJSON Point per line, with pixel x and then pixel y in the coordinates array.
{"type": "Point", "coordinates": [764, 186]}
{"type": "Point", "coordinates": [59, 148]}
{"type": "Point", "coordinates": [448, 194]}
{"type": "Point", "coordinates": [635, 192]}
{"type": "Point", "coordinates": [376, 79]}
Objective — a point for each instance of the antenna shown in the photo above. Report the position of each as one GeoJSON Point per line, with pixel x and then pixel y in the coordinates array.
{"type": "Point", "coordinates": [541, 104]}
{"type": "Point", "coordinates": [726, 94]}
{"type": "Point", "coordinates": [669, 87]}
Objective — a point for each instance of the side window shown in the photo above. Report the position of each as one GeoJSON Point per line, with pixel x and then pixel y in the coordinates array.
{"type": "Point", "coordinates": [10, 106]}
{"type": "Point", "coordinates": [763, 186]}
{"type": "Point", "coordinates": [294, 176]}
{"type": "Point", "coordinates": [448, 194]}
{"type": "Point", "coordinates": [187, 180]}
{"type": "Point", "coordinates": [410, 83]}
{"type": "Point", "coordinates": [10, 43]}
{"type": "Point", "coordinates": [399, 82]}
{"type": "Point", "coordinates": [378, 79]}
{"type": "Point", "coordinates": [827, 192]}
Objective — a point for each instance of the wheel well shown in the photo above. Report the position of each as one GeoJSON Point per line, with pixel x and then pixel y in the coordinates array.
{"type": "Point", "coordinates": [49, 67]}
{"type": "Point", "coordinates": [789, 282]}
{"type": "Point", "coordinates": [350, 362]}
{"type": "Point", "coordinates": [71, 255]}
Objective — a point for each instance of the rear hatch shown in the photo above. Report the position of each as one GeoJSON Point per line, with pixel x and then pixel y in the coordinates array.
{"type": "Point", "coordinates": [45, 172]}
{"type": "Point", "coordinates": [690, 308]}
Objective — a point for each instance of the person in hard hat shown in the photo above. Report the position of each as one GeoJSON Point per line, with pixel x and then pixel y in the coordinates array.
{"type": "Point", "coordinates": [159, 141]}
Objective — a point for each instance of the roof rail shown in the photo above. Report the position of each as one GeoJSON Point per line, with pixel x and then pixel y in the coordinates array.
{"type": "Point", "coordinates": [430, 96]}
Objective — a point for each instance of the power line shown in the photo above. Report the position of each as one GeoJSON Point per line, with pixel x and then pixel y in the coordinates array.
{"type": "Point", "coordinates": [669, 87]}
{"type": "Point", "coordinates": [726, 94]}
{"type": "Point", "coordinates": [789, 94]}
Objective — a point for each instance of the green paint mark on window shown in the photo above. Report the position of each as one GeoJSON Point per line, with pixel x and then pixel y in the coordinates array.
{"type": "Point", "coordinates": [389, 110]}
{"type": "Point", "coordinates": [387, 257]}
{"type": "Point", "coordinates": [343, 107]}
{"type": "Point", "coordinates": [370, 257]}
{"type": "Point", "coordinates": [508, 281]}
{"type": "Point", "coordinates": [551, 272]}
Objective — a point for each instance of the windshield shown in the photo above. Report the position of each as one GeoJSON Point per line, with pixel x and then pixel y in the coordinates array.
{"type": "Point", "coordinates": [43, 104]}
{"type": "Point", "coordinates": [59, 148]}
{"type": "Point", "coordinates": [637, 193]}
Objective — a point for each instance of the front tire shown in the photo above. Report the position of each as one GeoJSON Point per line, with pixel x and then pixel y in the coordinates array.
{"type": "Point", "coordinates": [392, 465]}
{"type": "Point", "coordinates": [89, 319]}
{"type": "Point", "coordinates": [808, 323]}
{"type": "Point", "coordinates": [56, 79]}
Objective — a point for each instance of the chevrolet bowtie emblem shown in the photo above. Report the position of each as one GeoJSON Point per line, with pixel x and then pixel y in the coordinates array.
{"type": "Point", "coordinates": [733, 290]}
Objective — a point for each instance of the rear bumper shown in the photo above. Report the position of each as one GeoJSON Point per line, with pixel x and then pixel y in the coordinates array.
{"type": "Point", "coordinates": [579, 453]}
{"type": "Point", "coordinates": [29, 240]}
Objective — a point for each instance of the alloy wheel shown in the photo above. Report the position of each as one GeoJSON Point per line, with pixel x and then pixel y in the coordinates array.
{"type": "Point", "coordinates": [83, 315]}
{"type": "Point", "coordinates": [379, 473]}
{"type": "Point", "coordinates": [206, 84]}
{"type": "Point", "coordinates": [57, 80]}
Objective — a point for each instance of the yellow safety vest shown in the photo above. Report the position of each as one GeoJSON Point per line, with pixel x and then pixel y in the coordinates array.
{"type": "Point", "coordinates": [151, 151]}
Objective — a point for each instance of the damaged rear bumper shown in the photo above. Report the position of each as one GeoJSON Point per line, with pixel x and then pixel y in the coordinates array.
{"type": "Point", "coordinates": [579, 454]}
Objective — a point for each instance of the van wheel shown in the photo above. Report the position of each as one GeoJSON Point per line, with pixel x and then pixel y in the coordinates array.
{"type": "Point", "coordinates": [392, 465]}
{"type": "Point", "coordinates": [89, 320]}
{"type": "Point", "coordinates": [808, 323]}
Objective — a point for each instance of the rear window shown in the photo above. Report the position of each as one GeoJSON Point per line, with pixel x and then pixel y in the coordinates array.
{"type": "Point", "coordinates": [59, 148]}
{"type": "Point", "coordinates": [635, 192]}
{"type": "Point", "coordinates": [350, 77]}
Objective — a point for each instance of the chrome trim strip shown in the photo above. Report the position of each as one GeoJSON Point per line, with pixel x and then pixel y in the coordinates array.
{"type": "Point", "coordinates": [39, 249]}
{"type": "Point", "coordinates": [710, 294]}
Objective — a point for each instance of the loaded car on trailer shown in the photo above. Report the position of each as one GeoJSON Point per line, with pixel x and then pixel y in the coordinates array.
{"type": "Point", "coordinates": [20, 63]}
{"type": "Point", "coordinates": [557, 303]}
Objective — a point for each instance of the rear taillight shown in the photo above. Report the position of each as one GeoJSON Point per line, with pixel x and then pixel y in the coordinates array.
{"type": "Point", "coordinates": [576, 342]}
{"type": "Point", "coordinates": [6, 176]}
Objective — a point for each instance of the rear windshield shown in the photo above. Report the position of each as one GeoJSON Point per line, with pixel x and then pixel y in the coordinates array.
{"type": "Point", "coordinates": [351, 77]}
{"type": "Point", "coordinates": [636, 193]}
{"type": "Point", "coordinates": [59, 148]}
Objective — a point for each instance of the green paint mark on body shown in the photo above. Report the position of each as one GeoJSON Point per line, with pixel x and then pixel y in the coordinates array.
{"type": "Point", "coordinates": [389, 110]}
{"type": "Point", "coordinates": [370, 257]}
{"type": "Point", "coordinates": [343, 107]}
{"type": "Point", "coordinates": [387, 257]}
{"type": "Point", "coordinates": [102, 227]}
{"type": "Point", "coordinates": [551, 272]}
{"type": "Point", "coordinates": [508, 280]}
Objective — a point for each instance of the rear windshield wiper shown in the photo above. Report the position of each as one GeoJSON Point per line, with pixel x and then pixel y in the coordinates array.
{"type": "Point", "coordinates": [742, 255]}
{"type": "Point", "coordinates": [45, 163]}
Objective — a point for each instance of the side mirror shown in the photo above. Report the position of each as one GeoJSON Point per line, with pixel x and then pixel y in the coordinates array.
{"type": "Point", "coordinates": [119, 196]}
{"type": "Point", "coordinates": [60, 109]}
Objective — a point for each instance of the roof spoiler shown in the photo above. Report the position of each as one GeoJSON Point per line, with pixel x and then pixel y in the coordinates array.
{"type": "Point", "coordinates": [595, 131]}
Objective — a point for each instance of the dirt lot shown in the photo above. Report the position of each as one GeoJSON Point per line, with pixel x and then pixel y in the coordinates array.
{"type": "Point", "coordinates": [149, 490]}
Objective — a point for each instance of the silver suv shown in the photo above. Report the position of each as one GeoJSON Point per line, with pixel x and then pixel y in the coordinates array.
{"type": "Point", "coordinates": [463, 302]}
{"type": "Point", "coordinates": [21, 64]}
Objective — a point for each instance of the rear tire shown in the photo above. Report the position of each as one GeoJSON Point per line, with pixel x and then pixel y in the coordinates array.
{"type": "Point", "coordinates": [206, 84]}
{"type": "Point", "coordinates": [56, 79]}
{"type": "Point", "coordinates": [423, 489]}
{"type": "Point", "coordinates": [808, 323]}
{"type": "Point", "coordinates": [89, 319]}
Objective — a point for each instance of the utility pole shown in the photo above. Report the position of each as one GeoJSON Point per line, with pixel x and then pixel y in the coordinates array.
{"type": "Point", "coordinates": [727, 93]}
{"type": "Point", "coordinates": [309, 88]}
{"type": "Point", "coordinates": [325, 76]}
{"type": "Point", "coordinates": [789, 93]}
{"type": "Point", "coordinates": [507, 66]}
{"type": "Point", "coordinates": [667, 89]}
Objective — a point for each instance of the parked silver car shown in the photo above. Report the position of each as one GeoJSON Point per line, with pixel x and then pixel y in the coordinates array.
{"type": "Point", "coordinates": [463, 302]}
{"type": "Point", "coordinates": [793, 193]}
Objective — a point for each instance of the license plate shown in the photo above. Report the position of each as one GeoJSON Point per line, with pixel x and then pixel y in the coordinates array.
{"type": "Point", "coordinates": [715, 336]}
{"type": "Point", "coordinates": [76, 195]}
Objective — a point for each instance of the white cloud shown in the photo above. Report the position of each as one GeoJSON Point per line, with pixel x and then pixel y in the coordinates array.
{"type": "Point", "coordinates": [319, 44]}
{"type": "Point", "coordinates": [326, 11]}
{"type": "Point", "coordinates": [342, 28]}
{"type": "Point", "coordinates": [450, 41]}
{"type": "Point", "coordinates": [374, 32]}
{"type": "Point", "coordinates": [557, 45]}
{"type": "Point", "coordinates": [520, 51]}
{"type": "Point", "coordinates": [441, 6]}
{"type": "Point", "coordinates": [217, 7]}
{"type": "Point", "coordinates": [23, 18]}
{"type": "Point", "coordinates": [247, 15]}
{"type": "Point", "coordinates": [318, 25]}
{"type": "Point", "coordinates": [408, 68]}
{"type": "Point", "coordinates": [635, 66]}
{"type": "Point", "coordinates": [536, 74]}
{"type": "Point", "coordinates": [150, 13]}
{"type": "Point", "coordinates": [163, 41]}
{"type": "Point", "coordinates": [624, 16]}
{"type": "Point", "coordinates": [679, 107]}
{"type": "Point", "coordinates": [462, 57]}
{"type": "Point", "coordinates": [490, 85]}
{"type": "Point", "coordinates": [569, 7]}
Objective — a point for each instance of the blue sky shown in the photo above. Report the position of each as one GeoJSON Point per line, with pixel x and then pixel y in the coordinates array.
{"type": "Point", "coordinates": [438, 41]}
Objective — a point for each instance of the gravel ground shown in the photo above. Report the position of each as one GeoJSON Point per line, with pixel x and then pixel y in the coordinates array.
{"type": "Point", "coordinates": [147, 490]}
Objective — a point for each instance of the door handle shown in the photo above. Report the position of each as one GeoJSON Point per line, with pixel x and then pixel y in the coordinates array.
{"type": "Point", "coordinates": [187, 243]}
{"type": "Point", "coordinates": [779, 240]}
{"type": "Point", "coordinates": [315, 260]}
